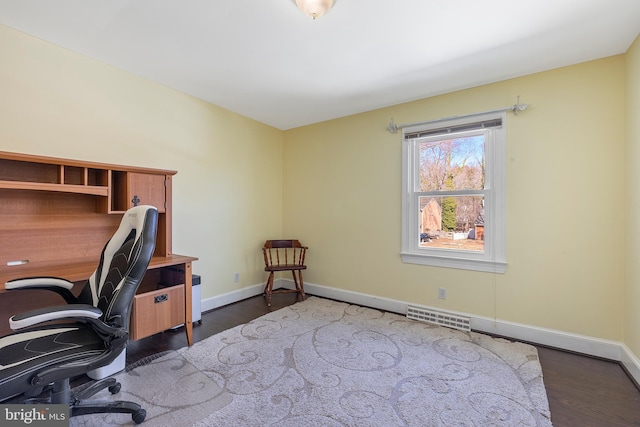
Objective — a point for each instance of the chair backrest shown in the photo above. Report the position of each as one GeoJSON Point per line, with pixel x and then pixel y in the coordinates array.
{"type": "Point", "coordinates": [123, 263]}
{"type": "Point", "coordinates": [279, 253]}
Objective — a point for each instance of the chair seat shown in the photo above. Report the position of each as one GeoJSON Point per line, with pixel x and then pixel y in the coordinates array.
{"type": "Point", "coordinates": [25, 354]}
{"type": "Point", "coordinates": [285, 267]}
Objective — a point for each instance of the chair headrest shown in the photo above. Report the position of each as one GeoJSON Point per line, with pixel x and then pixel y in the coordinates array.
{"type": "Point", "coordinates": [136, 216]}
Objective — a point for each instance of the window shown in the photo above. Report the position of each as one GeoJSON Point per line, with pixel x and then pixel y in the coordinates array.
{"type": "Point", "coordinates": [453, 199]}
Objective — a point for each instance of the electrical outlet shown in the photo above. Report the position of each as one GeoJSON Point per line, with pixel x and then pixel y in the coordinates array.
{"type": "Point", "coordinates": [236, 277]}
{"type": "Point", "coordinates": [442, 293]}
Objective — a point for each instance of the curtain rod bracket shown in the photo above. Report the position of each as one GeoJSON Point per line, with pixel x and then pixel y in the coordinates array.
{"type": "Point", "coordinates": [518, 106]}
{"type": "Point", "coordinates": [392, 128]}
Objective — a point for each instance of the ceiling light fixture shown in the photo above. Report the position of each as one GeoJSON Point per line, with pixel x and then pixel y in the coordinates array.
{"type": "Point", "coordinates": [314, 8]}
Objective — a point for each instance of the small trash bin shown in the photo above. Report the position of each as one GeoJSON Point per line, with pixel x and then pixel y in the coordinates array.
{"type": "Point", "coordinates": [196, 299]}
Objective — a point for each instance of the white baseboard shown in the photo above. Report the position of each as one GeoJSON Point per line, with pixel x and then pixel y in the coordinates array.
{"type": "Point", "coordinates": [597, 347]}
{"type": "Point", "coordinates": [631, 363]}
{"type": "Point", "coordinates": [231, 297]}
{"type": "Point", "coordinates": [550, 337]}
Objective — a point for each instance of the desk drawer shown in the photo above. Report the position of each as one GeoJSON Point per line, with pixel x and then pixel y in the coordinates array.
{"type": "Point", "coordinates": [156, 311]}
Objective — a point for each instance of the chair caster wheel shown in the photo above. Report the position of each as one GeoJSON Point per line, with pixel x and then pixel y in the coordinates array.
{"type": "Point", "coordinates": [139, 416]}
{"type": "Point", "coordinates": [115, 388]}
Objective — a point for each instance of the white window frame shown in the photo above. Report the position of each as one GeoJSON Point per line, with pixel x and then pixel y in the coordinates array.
{"type": "Point", "coordinates": [493, 258]}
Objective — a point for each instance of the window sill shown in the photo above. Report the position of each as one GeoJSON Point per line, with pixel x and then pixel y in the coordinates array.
{"type": "Point", "coordinates": [459, 263]}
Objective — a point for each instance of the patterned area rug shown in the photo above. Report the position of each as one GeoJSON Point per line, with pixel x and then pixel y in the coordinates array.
{"type": "Point", "coordinates": [326, 363]}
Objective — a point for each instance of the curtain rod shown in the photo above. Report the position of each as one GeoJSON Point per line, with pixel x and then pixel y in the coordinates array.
{"type": "Point", "coordinates": [393, 128]}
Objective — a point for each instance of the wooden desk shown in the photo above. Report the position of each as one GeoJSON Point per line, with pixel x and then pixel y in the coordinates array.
{"type": "Point", "coordinates": [55, 217]}
{"type": "Point", "coordinates": [176, 267]}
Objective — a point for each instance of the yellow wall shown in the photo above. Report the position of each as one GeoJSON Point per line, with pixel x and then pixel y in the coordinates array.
{"type": "Point", "coordinates": [632, 291]}
{"type": "Point", "coordinates": [336, 185]}
{"type": "Point", "coordinates": [227, 195]}
{"type": "Point", "coordinates": [565, 237]}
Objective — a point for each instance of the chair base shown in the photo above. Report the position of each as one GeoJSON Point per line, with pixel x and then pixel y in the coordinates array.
{"type": "Point", "coordinates": [61, 393]}
{"type": "Point", "coordinates": [120, 406]}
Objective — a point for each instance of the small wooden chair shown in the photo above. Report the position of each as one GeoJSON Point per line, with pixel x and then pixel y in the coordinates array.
{"type": "Point", "coordinates": [284, 255]}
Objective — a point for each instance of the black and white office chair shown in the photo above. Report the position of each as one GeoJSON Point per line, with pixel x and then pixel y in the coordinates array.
{"type": "Point", "coordinates": [92, 329]}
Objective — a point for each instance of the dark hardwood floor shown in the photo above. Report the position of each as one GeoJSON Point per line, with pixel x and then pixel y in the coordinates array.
{"type": "Point", "coordinates": [582, 391]}
{"type": "Point", "coordinates": [585, 391]}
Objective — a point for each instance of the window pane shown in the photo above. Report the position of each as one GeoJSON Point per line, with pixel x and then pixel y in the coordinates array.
{"type": "Point", "coordinates": [452, 164]}
{"type": "Point", "coordinates": [452, 222]}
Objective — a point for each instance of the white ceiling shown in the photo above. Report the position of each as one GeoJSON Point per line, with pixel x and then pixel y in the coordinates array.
{"type": "Point", "coordinates": [266, 60]}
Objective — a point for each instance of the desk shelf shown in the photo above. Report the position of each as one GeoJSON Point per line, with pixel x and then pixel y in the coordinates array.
{"type": "Point", "coordinates": [63, 188]}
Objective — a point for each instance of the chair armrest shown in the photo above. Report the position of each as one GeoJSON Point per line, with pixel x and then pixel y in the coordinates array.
{"type": "Point", "coordinates": [55, 284]}
{"type": "Point", "coordinates": [65, 312]}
